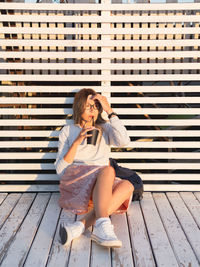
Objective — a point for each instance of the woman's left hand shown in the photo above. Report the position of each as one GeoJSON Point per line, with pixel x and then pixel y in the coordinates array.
{"type": "Point", "coordinates": [104, 103]}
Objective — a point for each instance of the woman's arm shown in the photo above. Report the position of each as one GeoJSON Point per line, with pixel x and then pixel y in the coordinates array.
{"type": "Point", "coordinates": [116, 131]}
{"type": "Point", "coordinates": [63, 147]}
{"type": "Point", "coordinates": [70, 155]}
{"type": "Point", "coordinates": [66, 153]}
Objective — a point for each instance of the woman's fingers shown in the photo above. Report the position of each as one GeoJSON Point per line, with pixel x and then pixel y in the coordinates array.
{"type": "Point", "coordinates": [103, 101]}
{"type": "Point", "coordinates": [85, 130]}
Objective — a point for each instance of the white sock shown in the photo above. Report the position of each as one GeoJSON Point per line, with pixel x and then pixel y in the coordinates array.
{"type": "Point", "coordinates": [100, 220]}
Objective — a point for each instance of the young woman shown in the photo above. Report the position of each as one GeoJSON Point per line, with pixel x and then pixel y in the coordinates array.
{"type": "Point", "coordinates": [88, 184]}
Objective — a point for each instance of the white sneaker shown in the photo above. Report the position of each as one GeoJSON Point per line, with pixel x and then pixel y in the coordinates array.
{"type": "Point", "coordinates": [71, 231]}
{"type": "Point", "coordinates": [103, 234]}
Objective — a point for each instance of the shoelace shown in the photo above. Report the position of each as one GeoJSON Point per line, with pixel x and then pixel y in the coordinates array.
{"type": "Point", "coordinates": [108, 228]}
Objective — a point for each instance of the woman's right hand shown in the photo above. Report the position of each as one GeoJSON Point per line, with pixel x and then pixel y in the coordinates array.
{"type": "Point", "coordinates": [83, 134]}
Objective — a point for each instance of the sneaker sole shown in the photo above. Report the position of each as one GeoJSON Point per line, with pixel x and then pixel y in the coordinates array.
{"type": "Point", "coordinates": [105, 243]}
{"type": "Point", "coordinates": [63, 234]}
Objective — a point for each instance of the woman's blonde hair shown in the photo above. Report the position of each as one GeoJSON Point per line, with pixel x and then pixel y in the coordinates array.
{"type": "Point", "coordinates": [80, 100]}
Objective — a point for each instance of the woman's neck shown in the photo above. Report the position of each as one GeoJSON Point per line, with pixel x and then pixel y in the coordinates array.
{"type": "Point", "coordinates": [86, 123]}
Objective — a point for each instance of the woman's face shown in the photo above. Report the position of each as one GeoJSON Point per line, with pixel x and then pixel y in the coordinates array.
{"type": "Point", "coordinates": [91, 111]}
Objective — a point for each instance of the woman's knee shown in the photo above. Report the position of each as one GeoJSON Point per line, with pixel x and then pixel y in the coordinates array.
{"type": "Point", "coordinates": [108, 172]}
{"type": "Point", "coordinates": [129, 186]}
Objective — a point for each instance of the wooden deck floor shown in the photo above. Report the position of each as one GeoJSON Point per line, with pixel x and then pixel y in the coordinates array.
{"type": "Point", "coordinates": [161, 230]}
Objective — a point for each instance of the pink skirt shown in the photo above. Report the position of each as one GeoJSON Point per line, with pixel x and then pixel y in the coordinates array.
{"type": "Point", "coordinates": [76, 186]}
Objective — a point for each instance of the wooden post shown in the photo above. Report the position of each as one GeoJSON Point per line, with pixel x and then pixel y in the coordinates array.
{"type": "Point", "coordinates": [105, 37]}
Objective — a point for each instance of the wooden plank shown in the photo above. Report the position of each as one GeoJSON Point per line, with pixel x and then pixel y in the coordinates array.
{"type": "Point", "coordinates": [59, 254]}
{"type": "Point", "coordinates": [122, 256]}
{"type": "Point", "coordinates": [154, 155]}
{"type": "Point", "coordinates": [163, 133]}
{"type": "Point", "coordinates": [55, 177]}
{"type": "Point", "coordinates": [107, 43]}
{"type": "Point", "coordinates": [9, 229]}
{"type": "Point", "coordinates": [117, 54]}
{"type": "Point", "coordinates": [93, 66]}
{"type": "Point", "coordinates": [163, 252]}
{"type": "Point", "coordinates": [117, 155]}
{"type": "Point", "coordinates": [2, 197]}
{"type": "Point", "coordinates": [39, 251]}
{"type": "Point", "coordinates": [102, 6]}
{"type": "Point", "coordinates": [29, 155]}
{"type": "Point", "coordinates": [141, 31]}
{"type": "Point", "coordinates": [197, 195]}
{"type": "Point", "coordinates": [30, 177]}
{"type": "Point", "coordinates": [100, 19]}
{"type": "Point", "coordinates": [29, 188]}
{"type": "Point", "coordinates": [21, 244]}
{"type": "Point", "coordinates": [178, 240]}
{"type": "Point", "coordinates": [150, 166]}
{"type": "Point", "coordinates": [150, 133]}
{"type": "Point", "coordinates": [24, 133]}
{"type": "Point", "coordinates": [143, 77]}
{"type": "Point", "coordinates": [100, 256]}
{"type": "Point", "coordinates": [113, 100]}
{"type": "Point", "coordinates": [192, 204]}
{"type": "Point", "coordinates": [134, 144]}
{"type": "Point", "coordinates": [51, 89]}
{"type": "Point", "coordinates": [120, 111]}
{"type": "Point", "coordinates": [172, 187]}
{"type": "Point", "coordinates": [7, 206]}
{"type": "Point", "coordinates": [187, 222]}
{"type": "Point", "coordinates": [169, 176]}
{"type": "Point", "coordinates": [142, 252]}
{"type": "Point", "coordinates": [80, 250]}
{"type": "Point", "coordinates": [139, 122]}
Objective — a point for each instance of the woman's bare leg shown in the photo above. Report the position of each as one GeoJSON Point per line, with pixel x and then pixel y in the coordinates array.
{"type": "Point", "coordinates": [102, 192]}
{"type": "Point", "coordinates": [121, 192]}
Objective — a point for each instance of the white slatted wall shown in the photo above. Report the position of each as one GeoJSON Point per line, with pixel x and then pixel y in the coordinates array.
{"type": "Point", "coordinates": [144, 57]}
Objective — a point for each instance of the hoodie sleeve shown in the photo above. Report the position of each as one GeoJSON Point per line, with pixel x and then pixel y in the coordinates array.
{"type": "Point", "coordinates": [116, 132]}
{"type": "Point", "coordinates": [63, 147]}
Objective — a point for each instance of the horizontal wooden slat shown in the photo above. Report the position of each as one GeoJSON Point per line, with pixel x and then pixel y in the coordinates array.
{"type": "Point", "coordinates": [116, 155]}
{"type": "Point", "coordinates": [149, 166]}
{"type": "Point", "coordinates": [169, 176]}
{"type": "Point", "coordinates": [93, 66]}
{"type": "Point", "coordinates": [166, 122]}
{"type": "Point", "coordinates": [156, 133]}
{"type": "Point", "coordinates": [107, 31]}
{"type": "Point", "coordinates": [27, 155]}
{"type": "Point", "coordinates": [54, 188]}
{"type": "Point", "coordinates": [143, 77]}
{"type": "Point", "coordinates": [100, 19]}
{"type": "Point", "coordinates": [134, 144]}
{"type": "Point", "coordinates": [145, 177]}
{"type": "Point", "coordinates": [120, 111]}
{"type": "Point", "coordinates": [113, 100]}
{"type": "Point", "coordinates": [95, 6]}
{"type": "Point", "coordinates": [18, 133]}
{"type": "Point", "coordinates": [102, 43]}
{"type": "Point", "coordinates": [90, 54]}
{"type": "Point", "coordinates": [29, 177]}
{"type": "Point", "coordinates": [29, 188]}
{"type": "Point", "coordinates": [137, 133]}
{"type": "Point", "coordinates": [154, 88]}
{"type": "Point", "coordinates": [173, 187]}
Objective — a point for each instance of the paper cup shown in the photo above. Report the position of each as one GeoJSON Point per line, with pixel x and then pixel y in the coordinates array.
{"type": "Point", "coordinates": [91, 140]}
